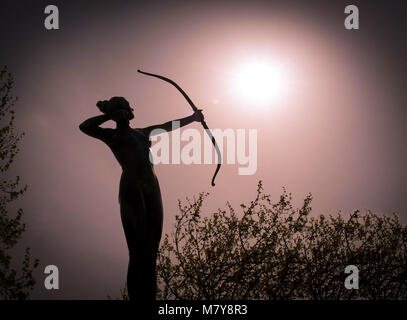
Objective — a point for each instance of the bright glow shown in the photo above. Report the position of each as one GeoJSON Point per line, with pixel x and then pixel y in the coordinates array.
{"type": "Point", "coordinates": [260, 82]}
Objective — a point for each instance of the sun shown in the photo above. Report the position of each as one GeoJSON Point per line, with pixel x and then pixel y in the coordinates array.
{"type": "Point", "coordinates": [260, 82]}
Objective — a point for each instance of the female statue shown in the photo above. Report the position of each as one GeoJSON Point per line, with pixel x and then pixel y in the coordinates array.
{"type": "Point", "coordinates": [140, 200]}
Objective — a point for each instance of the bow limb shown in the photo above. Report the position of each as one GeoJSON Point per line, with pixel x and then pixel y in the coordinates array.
{"type": "Point", "coordinates": [208, 131]}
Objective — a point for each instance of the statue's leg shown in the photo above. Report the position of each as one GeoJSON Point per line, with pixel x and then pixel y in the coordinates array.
{"type": "Point", "coordinates": [154, 218]}
{"type": "Point", "coordinates": [133, 215]}
{"type": "Point", "coordinates": [142, 218]}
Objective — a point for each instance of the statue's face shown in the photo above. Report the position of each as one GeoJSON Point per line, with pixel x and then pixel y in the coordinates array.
{"type": "Point", "coordinates": [131, 114]}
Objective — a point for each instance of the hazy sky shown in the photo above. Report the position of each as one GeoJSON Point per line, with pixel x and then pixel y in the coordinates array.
{"type": "Point", "coordinates": [338, 130]}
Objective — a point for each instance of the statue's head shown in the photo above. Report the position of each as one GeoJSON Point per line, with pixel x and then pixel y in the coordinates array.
{"type": "Point", "coordinates": [115, 103]}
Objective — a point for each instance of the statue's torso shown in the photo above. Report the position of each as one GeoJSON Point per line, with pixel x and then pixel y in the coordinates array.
{"type": "Point", "coordinates": [132, 150]}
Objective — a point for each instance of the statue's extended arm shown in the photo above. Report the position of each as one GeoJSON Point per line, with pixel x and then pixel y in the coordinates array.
{"type": "Point", "coordinates": [168, 126]}
{"type": "Point", "coordinates": [92, 128]}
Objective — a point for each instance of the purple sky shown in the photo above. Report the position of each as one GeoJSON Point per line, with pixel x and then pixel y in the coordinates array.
{"type": "Point", "coordinates": [338, 132]}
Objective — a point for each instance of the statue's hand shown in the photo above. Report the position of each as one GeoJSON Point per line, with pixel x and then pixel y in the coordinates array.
{"type": "Point", "coordinates": [198, 116]}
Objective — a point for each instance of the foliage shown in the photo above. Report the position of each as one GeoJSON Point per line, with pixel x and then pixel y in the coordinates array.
{"type": "Point", "coordinates": [273, 251]}
{"type": "Point", "coordinates": [13, 284]}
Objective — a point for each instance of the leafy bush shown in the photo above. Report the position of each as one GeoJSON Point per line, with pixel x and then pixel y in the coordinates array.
{"type": "Point", "coordinates": [273, 251]}
{"type": "Point", "coordinates": [14, 284]}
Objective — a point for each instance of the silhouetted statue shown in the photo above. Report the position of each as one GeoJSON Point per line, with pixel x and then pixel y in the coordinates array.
{"type": "Point", "coordinates": [140, 201]}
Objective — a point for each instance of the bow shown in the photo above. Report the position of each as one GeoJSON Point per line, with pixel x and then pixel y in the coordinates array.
{"type": "Point", "coordinates": [195, 110]}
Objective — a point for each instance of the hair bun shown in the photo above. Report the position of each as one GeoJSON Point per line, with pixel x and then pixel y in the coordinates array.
{"type": "Point", "coordinates": [102, 105]}
{"type": "Point", "coordinates": [115, 103]}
